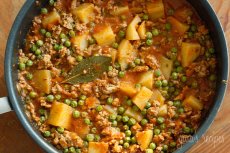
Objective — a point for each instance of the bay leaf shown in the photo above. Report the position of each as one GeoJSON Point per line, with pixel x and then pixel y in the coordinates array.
{"type": "Point", "coordinates": [88, 70]}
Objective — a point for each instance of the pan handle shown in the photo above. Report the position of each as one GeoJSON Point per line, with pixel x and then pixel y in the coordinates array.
{"type": "Point", "coordinates": [4, 105]}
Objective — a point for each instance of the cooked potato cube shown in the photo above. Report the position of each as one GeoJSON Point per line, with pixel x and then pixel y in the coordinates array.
{"type": "Point", "coordinates": [144, 138]}
{"type": "Point", "coordinates": [166, 66]}
{"type": "Point", "coordinates": [131, 33]}
{"type": "Point", "coordinates": [163, 110]}
{"type": "Point", "coordinates": [60, 115]}
{"type": "Point", "coordinates": [80, 41]}
{"type": "Point", "coordinates": [42, 80]}
{"type": "Point", "coordinates": [193, 102]}
{"type": "Point", "coordinates": [92, 102]}
{"type": "Point", "coordinates": [189, 53]}
{"type": "Point", "coordinates": [104, 35]}
{"type": "Point", "coordinates": [134, 114]}
{"type": "Point", "coordinates": [142, 97]}
{"type": "Point", "coordinates": [128, 88]}
{"type": "Point", "coordinates": [120, 10]}
{"type": "Point", "coordinates": [146, 79]}
{"type": "Point", "coordinates": [177, 26]}
{"type": "Point", "coordinates": [85, 12]}
{"type": "Point", "coordinates": [183, 13]}
{"type": "Point", "coordinates": [126, 53]}
{"type": "Point", "coordinates": [98, 147]}
{"type": "Point", "coordinates": [79, 126]}
{"type": "Point", "coordinates": [51, 19]}
{"type": "Point", "coordinates": [142, 30]}
{"type": "Point", "coordinates": [156, 9]}
{"type": "Point", "coordinates": [157, 96]}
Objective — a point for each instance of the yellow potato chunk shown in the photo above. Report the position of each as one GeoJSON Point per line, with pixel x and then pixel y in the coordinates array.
{"type": "Point", "coordinates": [80, 41]}
{"type": "Point", "coordinates": [134, 114]}
{"type": "Point", "coordinates": [79, 126]}
{"type": "Point", "coordinates": [155, 9]}
{"type": "Point", "coordinates": [120, 10]}
{"type": "Point", "coordinates": [104, 36]}
{"type": "Point", "coordinates": [166, 66]}
{"type": "Point", "coordinates": [60, 115]}
{"type": "Point", "coordinates": [42, 80]}
{"type": "Point", "coordinates": [144, 139]}
{"type": "Point", "coordinates": [163, 110]}
{"type": "Point", "coordinates": [142, 30]}
{"type": "Point", "coordinates": [146, 79]}
{"type": "Point", "coordinates": [177, 26]}
{"type": "Point", "coordinates": [51, 19]}
{"type": "Point", "coordinates": [85, 12]}
{"type": "Point", "coordinates": [128, 88]}
{"type": "Point", "coordinates": [98, 147]}
{"type": "Point", "coordinates": [193, 102]}
{"type": "Point", "coordinates": [131, 33]}
{"type": "Point", "coordinates": [142, 97]}
{"type": "Point", "coordinates": [189, 53]}
{"type": "Point", "coordinates": [126, 53]}
{"type": "Point", "coordinates": [92, 102]}
{"type": "Point", "coordinates": [157, 96]}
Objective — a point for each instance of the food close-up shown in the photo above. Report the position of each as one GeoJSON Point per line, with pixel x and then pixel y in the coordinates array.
{"type": "Point", "coordinates": [118, 76]}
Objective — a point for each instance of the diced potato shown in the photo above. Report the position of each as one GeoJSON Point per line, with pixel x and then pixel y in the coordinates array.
{"type": "Point", "coordinates": [193, 102]}
{"type": "Point", "coordinates": [142, 97]}
{"type": "Point", "coordinates": [42, 80]}
{"type": "Point", "coordinates": [79, 126]}
{"type": "Point", "coordinates": [126, 53]}
{"type": "Point", "coordinates": [85, 12]}
{"type": "Point", "coordinates": [157, 96]}
{"type": "Point", "coordinates": [177, 26]}
{"type": "Point", "coordinates": [104, 36]}
{"type": "Point", "coordinates": [80, 41]}
{"type": "Point", "coordinates": [136, 10]}
{"type": "Point", "coordinates": [120, 10]}
{"type": "Point", "coordinates": [189, 53]}
{"type": "Point", "coordinates": [134, 114]}
{"type": "Point", "coordinates": [51, 19]}
{"type": "Point", "coordinates": [110, 109]}
{"type": "Point", "coordinates": [113, 53]}
{"type": "Point", "coordinates": [166, 66]}
{"type": "Point", "coordinates": [92, 102]}
{"type": "Point", "coordinates": [98, 147]}
{"type": "Point", "coordinates": [142, 30]}
{"type": "Point", "coordinates": [163, 110]}
{"type": "Point", "coordinates": [128, 88]}
{"type": "Point", "coordinates": [131, 33]}
{"type": "Point", "coordinates": [156, 9]}
{"type": "Point", "coordinates": [60, 115]}
{"type": "Point", "coordinates": [183, 13]}
{"type": "Point", "coordinates": [146, 79]}
{"type": "Point", "coordinates": [144, 139]}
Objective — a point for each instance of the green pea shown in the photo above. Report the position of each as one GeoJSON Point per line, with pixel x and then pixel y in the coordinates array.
{"type": "Point", "coordinates": [212, 77]}
{"type": "Point", "coordinates": [152, 146]}
{"type": "Point", "coordinates": [160, 120]}
{"type": "Point", "coordinates": [79, 58]}
{"type": "Point", "coordinates": [144, 121]}
{"type": "Point", "coordinates": [183, 78]}
{"type": "Point", "coordinates": [112, 117]}
{"type": "Point", "coordinates": [114, 123]}
{"type": "Point", "coordinates": [81, 102]}
{"type": "Point", "coordinates": [60, 130]}
{"type": "Point", "coordinates": [117, 65]}
{"type": "Point", "coordinates": [155, 32]}
{"type": "Point", "coordinates": [51, 2]}
{"type": "Point", "coordinates": [71, 33]}
{"type": "Point", "coordinates": [148, 151]}
{"type": "Point", "coordinates": [121, 110]}
{"type": "Point", "coordinates": [22, 66]}
{"type": "Point", "coordinates": [145, 17]}
{"type": "Point", "coordinates": [73, 103]}
{"type": "Point", "coordinates": [92, 41]}
{"type": "Point", "coordinates": [149, 42]}
{"type": "Point", "coordinates": [44, 11]}
{"type": "Point", "coordinates": [57, 97]}
{"type": "Point", "coordinates": [133, 140]}
{"type": "Point", "coordinates": [125, 119]}
{"type": "Point", "coordinates": [33, 94]}
{"type": "Point", "coordinates": [179, 69]}
{"type": "Point", "coordinates": [194, 84]}
{"type": "Point", "coordinates": [171, 89]}
{"type": "Point", "coordinates": [174, 50]}
{"type": "Point", "coordinates": [62, 36]}
{"type": "Point", "coordinates": [38, 52]}
{"type": "Point", "coordinates": [164, 83]}
{"type": "Point", "coordinates": [157, 73]}
{"type": "Point", "coordinates": [67, 43]}
{"type": "Point", "coordinates": [126, 145]}
{"type": "Point", "coordinates": [211, 50]}
{"type": "Point", "coordinates": [99, 108]}
{"type": "Point", "coordinates": [176, 63]}
{"type": "Point", "coordinates": [177, 103]}
{"type": "Point", "coordinates": [127, 139]}
{"type": "Point", "coordinates": [72, 150]}
{"type": "Point", "coordinates": [168, 26]}
{"type": "Point", "coordinates": [158, 84]}
{"type": "Point", "coordinates": [186, 130]}
{"type": "Point", "coordinates": [83, 97]}
{"type": "Point", "coordinates": [84, 114]}
{"type": "Point", "coordinates": [172, 144]}
{"type": "Point", "coordinates": [156, 131]}
{"type": "Point", "coordinates": [119, 118]}
{"type": "Point", "coordinates": [144, 112]}
{"type": "Point", "coordinates": [180, 110]}
{"type": "Point", "coordinates": [128, 133]}
{"type": "Point", "coordinates": [126, 127]}
{"type": "Point", "coordinates": [121, 34]}
{"type": "Point", "coordinates": [149, 35]}
{"type": "Point", "coordinates": [33, 48]}
{"type": "Point", "coordinates": [39, 43]}
{"type": "Point", "coordinates": [42, 111]}
{"type": "Point", "coordinates": [109, 100]}
{"type": "Point", "coordinates": [135, 108]}
{"type": "Point", "coordinates": [87, 121]}
{"type": "Point", "coordinates": [115, 45]}
{"type": "Point", "coordinates": [97, 138]}
{"type": "Point", "coordinates": [132, 65]}
{"type": "Point", "coordinates": [190, 34]}
{"type": "Point", "coordinates": [48, 34]}
{"type": "Point", "coordinates": [207, 54]}
{"type": "Point", "coordinates": [148, 105]}
{"type": "Point", "coordinates": [43, 31]}
{"type": "Point", "coordinates": [162, 126]}
{"type": "Point", "coordinates": [50, 98]}
{"type": "Point", "coordinates": [174, 75]}
{"type": "Point", "coordinates": [137, 61]}
{"type": "Point", "coordinates": [46, 133]}
{"type": "Point", "coordinates": [66, 150]}
{"type": "Point", "coordinates": [29, 76]}
{"type": "Point", "coordinates": [121, 74]}
{"type": "Point", "coordinates": [193, 28]}
{"type": "Point", "coordinates": [90, 137]}
{"type": "Point", "coordinates": [131, 122]}
{"type": "Point", "coordinates": [129, 102]}
{"type": "Point", "coordinates": [42, 119]}
{"type": "Point", "coordinates": [165, 147]}
{"type": "Point", "coordinates": [67, 101]}
{"type": "Point", "coordinates": [29, 63]}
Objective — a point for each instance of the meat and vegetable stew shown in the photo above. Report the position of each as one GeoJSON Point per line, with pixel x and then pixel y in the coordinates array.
{"type": "Point", "coordinates": [117, 76]}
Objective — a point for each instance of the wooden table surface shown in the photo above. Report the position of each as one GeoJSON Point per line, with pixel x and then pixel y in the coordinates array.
{"type": "Point", "coordinates": [14, 139]}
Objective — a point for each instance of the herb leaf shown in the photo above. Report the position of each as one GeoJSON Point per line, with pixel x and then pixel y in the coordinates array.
{"type": "Point", "coordinates": [88, 70]}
